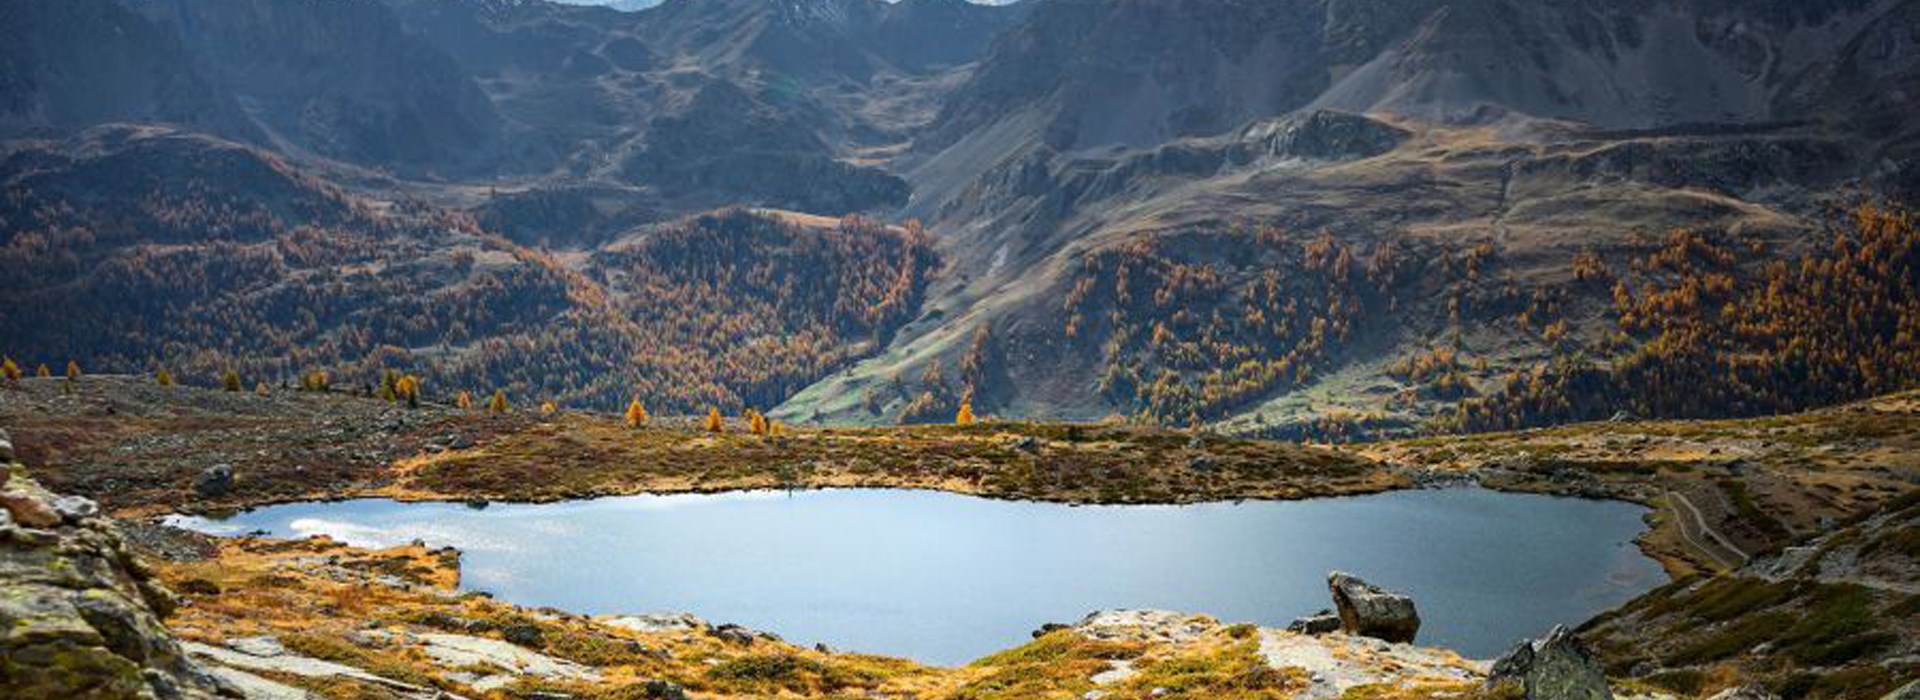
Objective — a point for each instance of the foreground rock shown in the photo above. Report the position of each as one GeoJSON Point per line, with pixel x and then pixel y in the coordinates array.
{"type": "Point", "coordinates": [79, 616]}
{"type": "Point", "coordinates": [1555, 667]}
{"type": "Point", "coordinates": [1370, 611]}
{"type": "Point", "coordinates": [1297, 665]}
{"type": "Point", "coordinates": [1318, 623]}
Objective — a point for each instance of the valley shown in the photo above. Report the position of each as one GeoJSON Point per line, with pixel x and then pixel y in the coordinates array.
{"type": "Point", "coordinates": [1061, 349]}
{"type": "Point", "coordinates": [1394, 198]}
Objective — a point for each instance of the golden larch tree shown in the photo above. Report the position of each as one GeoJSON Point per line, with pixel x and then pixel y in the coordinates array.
{"type": "Point", "coordinates": [73, 370]}
{"type": "Point", "coordinates": [636, 414]}
{"type": "Point", "coordinates": [409, 388]}
{"type": "Point", "coordinates": [230, 380]}
{"type": "Point", "coordinates": [965, 417]}
{"type": "Point", "coordinates": [498, 404]}
{"type": "Point", "coordinates": [9, 370]}
{"type": "Point", "coordinates": [715, 424]}
{"type": "Point", "coordinates": [163, 377]}
{"type": "Point", "coordinates": [43, 372]}
{"type": "Point", "coordinates": [464, 401]}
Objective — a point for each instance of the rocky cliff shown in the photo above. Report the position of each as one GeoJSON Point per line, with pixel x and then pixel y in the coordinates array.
{"type": "Point", "coordinates": [80, 614]}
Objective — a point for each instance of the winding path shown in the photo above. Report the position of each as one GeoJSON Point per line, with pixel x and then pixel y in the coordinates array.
{"type": "Point", "coordinates": [1694, 529]}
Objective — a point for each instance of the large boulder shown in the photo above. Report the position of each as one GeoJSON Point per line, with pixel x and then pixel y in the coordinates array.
{"type": "Point", "coordinates": [1371, 611]}
{"type": "Point", "coordinates": [80, 617]}
{"type": "Point", "coordinates": [1555, 667]}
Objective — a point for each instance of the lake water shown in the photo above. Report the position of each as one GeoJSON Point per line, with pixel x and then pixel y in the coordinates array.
{"type": "Point", "coordinates": [945, 579]}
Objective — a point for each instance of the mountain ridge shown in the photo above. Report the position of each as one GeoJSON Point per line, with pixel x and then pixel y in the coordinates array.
{"type": "Point", "coordinates": [1049, 145]}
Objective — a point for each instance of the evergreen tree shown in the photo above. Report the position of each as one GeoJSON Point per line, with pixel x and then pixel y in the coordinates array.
{"type": "Point", "coordinates": [163, 377]}
{"type": "Point", "coordinates": [230, 380]}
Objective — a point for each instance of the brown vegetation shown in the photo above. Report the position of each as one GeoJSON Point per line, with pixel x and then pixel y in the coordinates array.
{"type": "Point", "coordinates": [1714, 339]}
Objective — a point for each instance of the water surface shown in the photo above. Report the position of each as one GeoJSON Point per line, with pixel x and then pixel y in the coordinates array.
{"type": "Point", "coordinates": [944, 578]}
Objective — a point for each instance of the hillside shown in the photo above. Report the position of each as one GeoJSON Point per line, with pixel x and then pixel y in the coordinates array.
{"type": "Point", "coordinates": [1298, 219]}
{"type": "Point", "coordinates": [1132, 139]}
{"type": "Point", "coordinates": [139, 249]}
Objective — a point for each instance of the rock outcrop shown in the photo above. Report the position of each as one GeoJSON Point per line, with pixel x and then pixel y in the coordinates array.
{"type": "Point", "coordinates": [79, 615]}
{"type": "Point", "coordinates": [1371, 611]}
{"type": "Point", "coordinates": [1555, 667]}
{"type": "Point", "coordinates": [1318, 623]}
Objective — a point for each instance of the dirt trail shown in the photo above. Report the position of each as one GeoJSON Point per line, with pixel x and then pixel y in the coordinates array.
{"type": "Point", "coordinates": [1694, 529]}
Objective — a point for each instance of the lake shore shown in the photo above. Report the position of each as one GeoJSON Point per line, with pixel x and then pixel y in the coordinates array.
{"type": "Point", "coordinates": [1722, 493]}
{"type": "Point", "coordinates": [1719, 491]}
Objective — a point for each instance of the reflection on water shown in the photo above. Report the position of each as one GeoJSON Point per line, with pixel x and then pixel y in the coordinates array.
{"type": "Point", "coordinates": [945, 578]}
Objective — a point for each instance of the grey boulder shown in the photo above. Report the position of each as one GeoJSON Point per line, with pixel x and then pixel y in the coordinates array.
{"type": "Point", "coordinates": [1371, 611]}
{"type": "Point", "coordinates": [1323, 622]}
{"type": "Point", "coordinates": [1555, 667]}
{"type": "Point", "coordinates": [214, 481]}
{"type": "Point", "coordinates": [74, 509]}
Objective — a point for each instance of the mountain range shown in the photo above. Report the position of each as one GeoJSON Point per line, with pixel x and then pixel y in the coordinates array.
{"type": "Point", "coordinates": [1303, 218]}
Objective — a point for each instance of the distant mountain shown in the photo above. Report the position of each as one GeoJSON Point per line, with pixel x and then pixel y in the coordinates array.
{"type": "Point", "coordinates": [1287, 217]}
{"type": "Point", "coordinates": [72, 64]}
{"type": "Point", "coordinates": [323, 78]}
{"type": "Point", "coordinates": [515, 88]}
{"type": "Point", "coordinates": [1113, 152]}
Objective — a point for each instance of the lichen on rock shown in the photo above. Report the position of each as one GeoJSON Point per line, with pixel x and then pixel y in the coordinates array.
{"type": "Point", "coordinates": [80, 616]}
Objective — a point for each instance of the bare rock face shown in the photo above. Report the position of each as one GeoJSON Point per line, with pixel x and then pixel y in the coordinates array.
{"type": "Point", "coordinates": [1370, 611]}
{"type": "Point", "coordinates": [1555, 667]}
{"type": "Point", "coordinates": [79, 616]}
